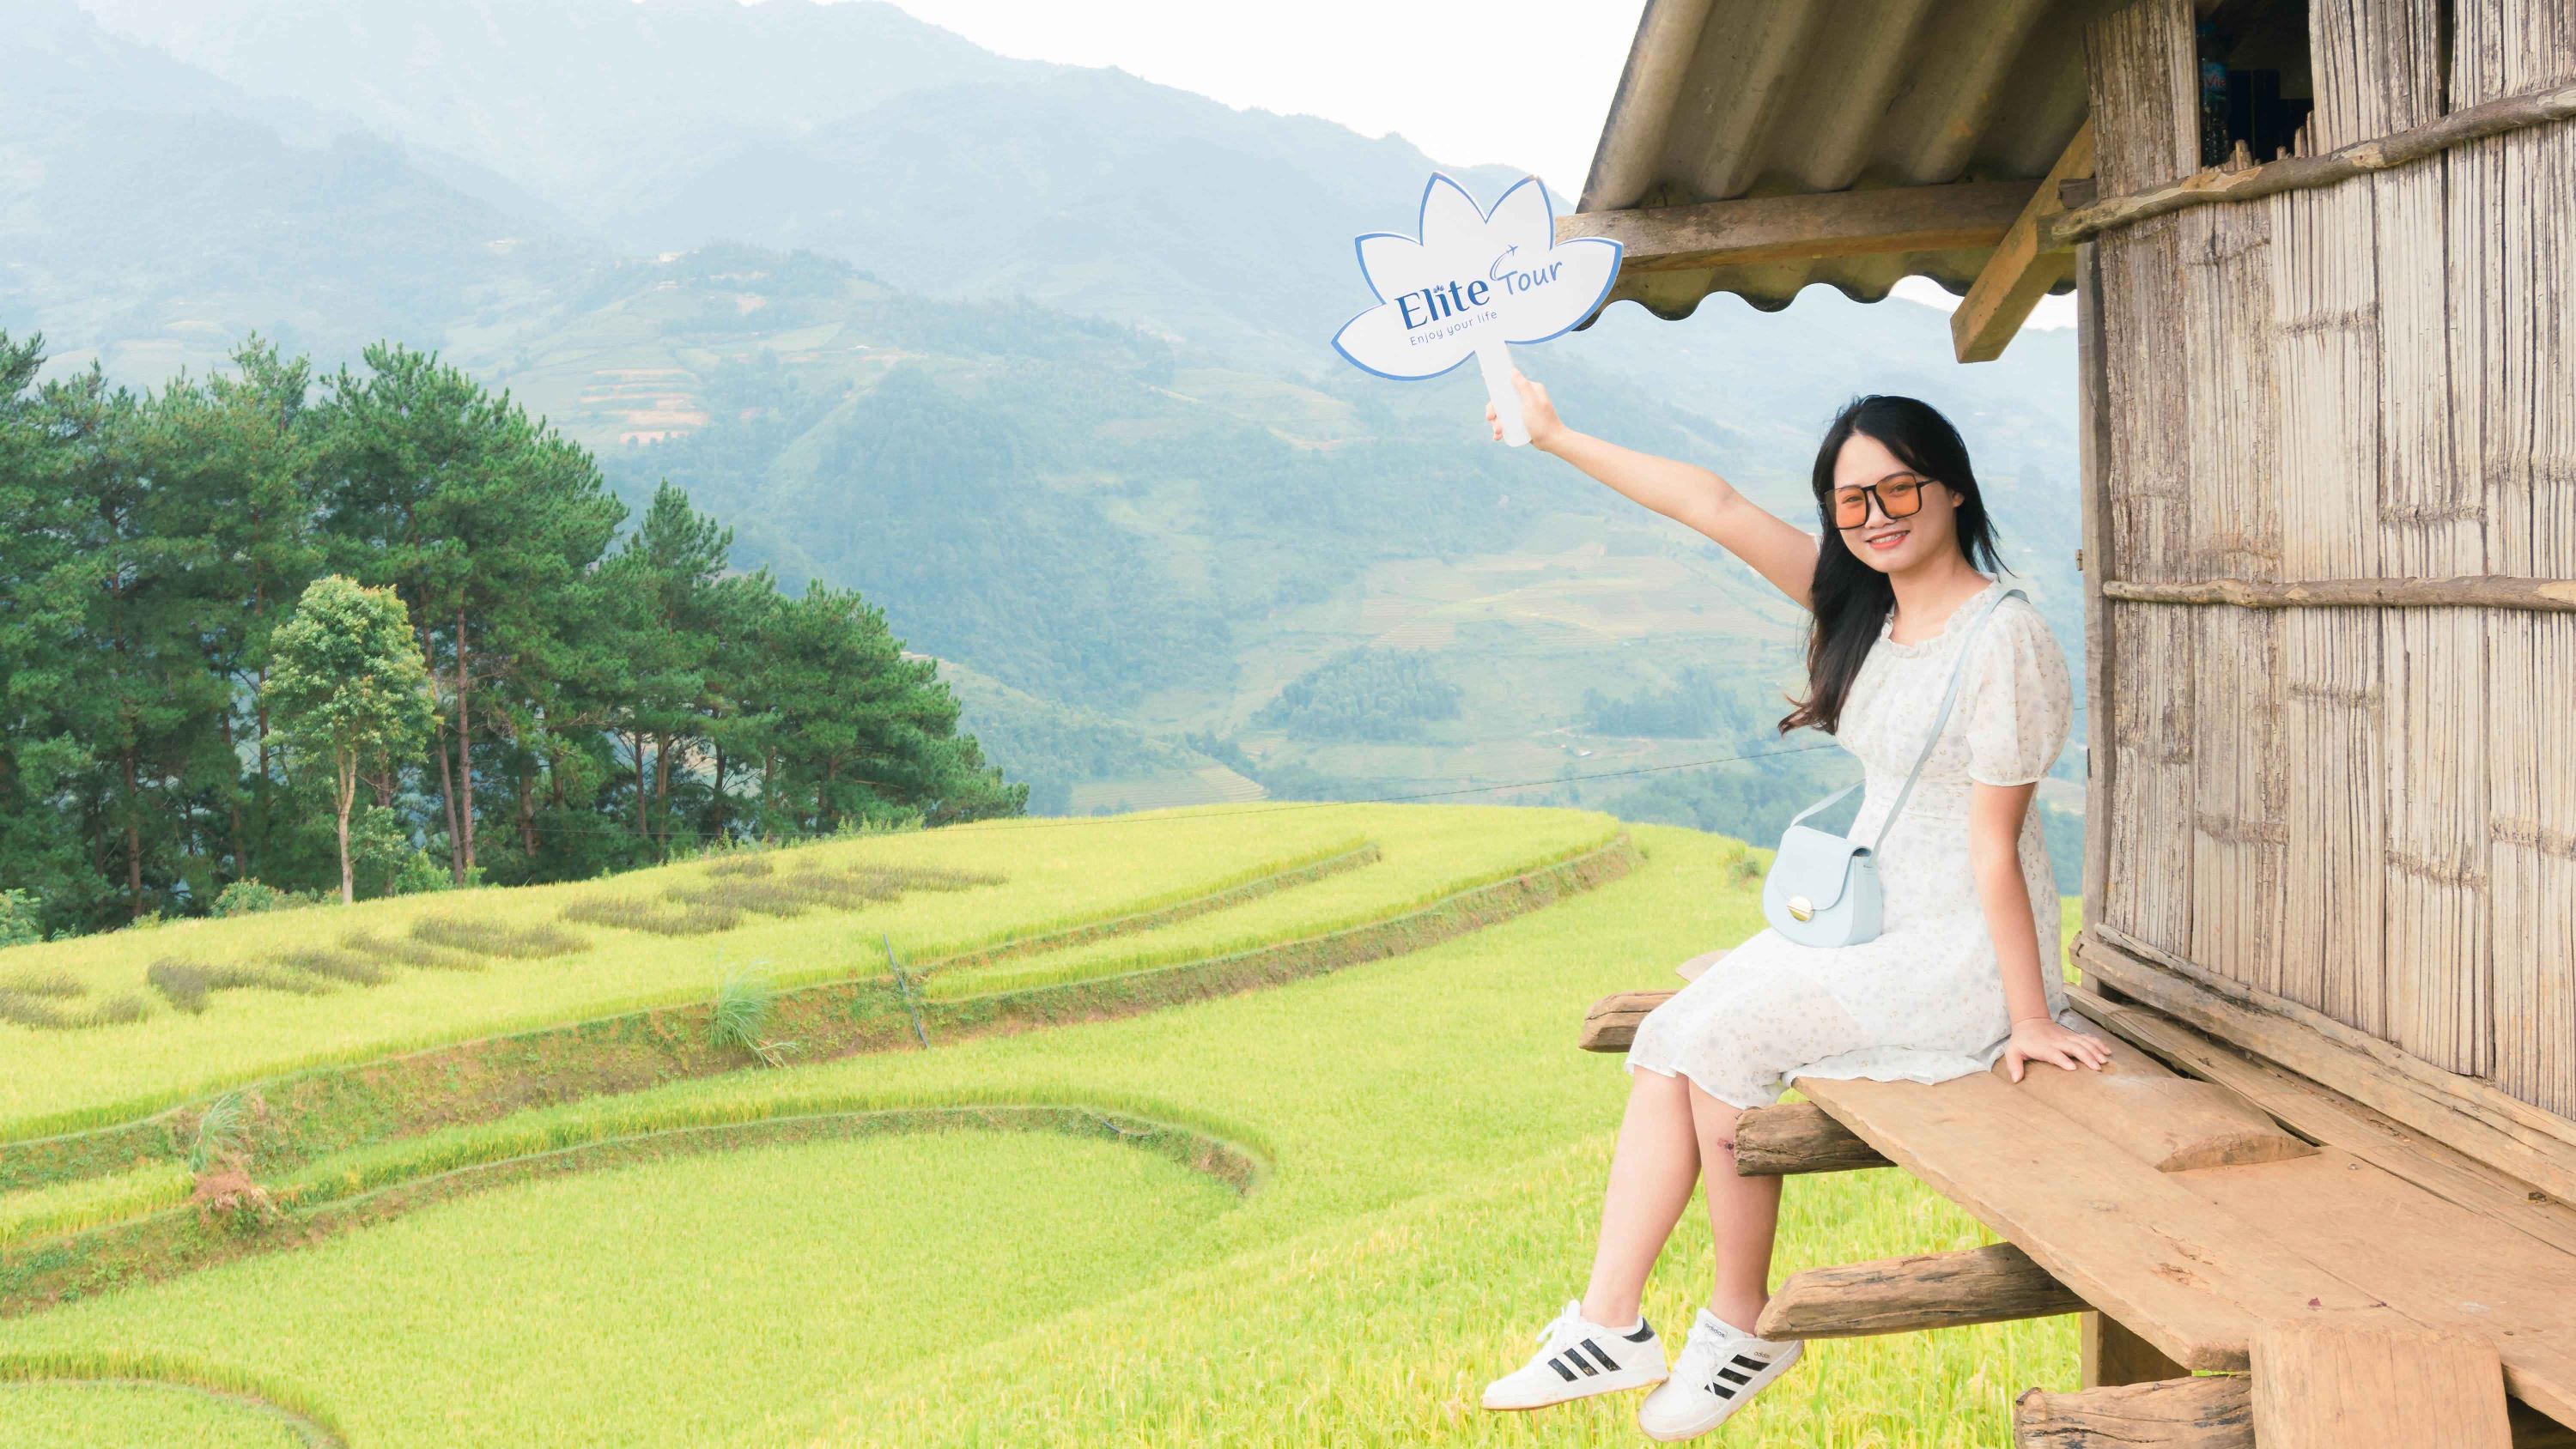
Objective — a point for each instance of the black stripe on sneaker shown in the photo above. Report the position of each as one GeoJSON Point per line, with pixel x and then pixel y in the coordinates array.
{"type": "Point", "coordinates": [1595, 1350]}
{"type": "Point", "coordinates": [1723, 1391]}
{"type": "Point", "coordinates": [1567, 1373]}
{"type": "Point", "coordinates": [1644, 1331]}
{"type": "Point", "coordinates": [1732, 1377]}
{"type": "Point", "coordinates": [1585, 1364]}
{"type": "Point", "coordinates": [1748, 1361]}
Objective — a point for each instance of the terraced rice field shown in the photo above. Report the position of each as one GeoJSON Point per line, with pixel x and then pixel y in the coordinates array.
{"type": "Point", "coordinates": [1223, 1126]}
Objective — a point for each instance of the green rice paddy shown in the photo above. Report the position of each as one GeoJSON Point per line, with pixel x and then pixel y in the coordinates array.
{"type": "Point", "coordinates": [1321, 1210]}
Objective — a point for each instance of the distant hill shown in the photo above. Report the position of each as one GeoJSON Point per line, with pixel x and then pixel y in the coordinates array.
{"type": "Point", "coordinates": [1034, 355]}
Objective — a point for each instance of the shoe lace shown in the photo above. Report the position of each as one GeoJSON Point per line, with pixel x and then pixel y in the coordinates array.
{"type": "Point", "coordinates": [1701, 1353]}
{"type": "Point", "coordinates": [1557, 1325]}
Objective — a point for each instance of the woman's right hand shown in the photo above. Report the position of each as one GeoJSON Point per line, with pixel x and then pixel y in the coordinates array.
{"type": "Point", "coordinates": [1538, 415]}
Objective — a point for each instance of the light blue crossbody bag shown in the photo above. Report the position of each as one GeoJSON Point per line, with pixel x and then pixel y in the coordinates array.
{"type": "Point", "coordinates": [1822, 889]}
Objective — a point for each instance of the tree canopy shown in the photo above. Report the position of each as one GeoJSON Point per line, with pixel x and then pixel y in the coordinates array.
{"type": "Point", "coordinates": [593, 705]}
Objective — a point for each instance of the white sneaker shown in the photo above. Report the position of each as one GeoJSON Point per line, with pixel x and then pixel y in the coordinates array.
{"type": "Point", "coordinates": [1720, 1367]}
{"type": "Point", "coordinates": [1577, 1359]}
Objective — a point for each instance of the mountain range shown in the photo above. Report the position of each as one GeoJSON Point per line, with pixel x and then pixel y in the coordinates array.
{"type": "Point", "coordinates": [1034, 355]}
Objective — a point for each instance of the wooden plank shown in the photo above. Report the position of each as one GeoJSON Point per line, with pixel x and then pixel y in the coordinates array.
{"type": "Point", "coordinates": [2095, 556]}
{"type": "Point", "coordinates": [2212, 1412]}
{"type": "Point", "coordinates": [1797, 1137]}
{"type": "Point", "coordinates": [2331, 1386]}
{"type": "Point", "coordinates": [2190, 1278]}
{"type": "Point", "coordinates": [2299, 173]}
{"type": "Point", "coordinates": [2336, 1120]}
{"type": "Point", "coordinates": [1948, 217]}
{"type": "Point", "coordinates": [1997, 1283]}
{"type": "Point", "coordinates": [2464, 1274]}
{"type": "Point", "coordinates": [2472, 1116]}
{"type": "Point", "coordinates": [2168, 1123]}
{"type": "Point", "coordinates": [2021, 271]}
{"type": "Point", "coordinates": [1610, 1024]}
{"type": "Point", "coordinates": [2107, 1354]}
{"type": "Point", "coordinates": [2476, 592]}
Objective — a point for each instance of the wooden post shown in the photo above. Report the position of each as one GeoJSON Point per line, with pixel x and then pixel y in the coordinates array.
{"type": "Point", "coordinates": [2330, 1386]}
{"type": "Point", "coordinates": [2109, 1355]}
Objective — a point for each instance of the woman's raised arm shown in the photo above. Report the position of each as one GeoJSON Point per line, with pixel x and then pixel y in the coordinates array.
{"type": "Point", "coordinates": [1683, 492]}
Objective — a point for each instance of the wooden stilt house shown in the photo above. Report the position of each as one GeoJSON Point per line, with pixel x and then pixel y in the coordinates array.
{"type": "Point", "coordinates": [2324, 257]}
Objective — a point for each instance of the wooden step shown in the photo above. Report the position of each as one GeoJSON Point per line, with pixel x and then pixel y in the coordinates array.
{"type": "Point", "coordinates": [2210, 1412]}
{"type": "Point", "coordinates": [1993, 1284]}
{"type": "Point", "coordinates": [1797, 1137]}
{"type": "Point", "coordinates": [2331, 1386]}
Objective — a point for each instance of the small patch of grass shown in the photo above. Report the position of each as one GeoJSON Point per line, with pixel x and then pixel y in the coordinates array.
{"type": "Point", "coordinates": [46, 1013]}
{"type": "Point", "coordinates": [337, 965]}
{"type": "Point", "coordinates": [740, 894]}
{"type": "Point", "coordinates": [41, 983]}
{"type": "Point", "coordinates": [740, 1017]}
{"type": "Point", "coordinates": [408, 952]}
{"type": "Point", "coordinates": [493, 938]}
{"type": "Point", "coordinates": [742, 865]}
{"type": "Point", "coordinates": [223, 1133]}
{"type": "Point", "coordinates": [636, 913]}
{"type": "Point", "coordinates": [187, 984]}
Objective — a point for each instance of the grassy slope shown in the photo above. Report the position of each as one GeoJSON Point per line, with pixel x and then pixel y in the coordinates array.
{"type": "Point", "coordinates": [1053, 876]}
{"type": "Point", "coordinates": [134, 1416]}
{"type": "Point", "coordinates": [1435, 1147]}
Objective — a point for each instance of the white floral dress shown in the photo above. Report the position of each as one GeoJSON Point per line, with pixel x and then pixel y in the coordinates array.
{"type": "Point", "coordinates": [1924, 1001]}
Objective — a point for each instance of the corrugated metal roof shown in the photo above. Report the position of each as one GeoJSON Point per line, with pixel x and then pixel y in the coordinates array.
{"type": "Point", "coordinates": [1733, 98]}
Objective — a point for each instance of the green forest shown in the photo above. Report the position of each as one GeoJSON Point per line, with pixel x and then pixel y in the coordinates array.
{"type": "Point", "coordinates": [592, 697]}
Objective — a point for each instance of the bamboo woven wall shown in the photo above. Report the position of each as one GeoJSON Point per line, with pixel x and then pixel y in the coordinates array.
{"type": "Point", "coordinates": [2371, 812]}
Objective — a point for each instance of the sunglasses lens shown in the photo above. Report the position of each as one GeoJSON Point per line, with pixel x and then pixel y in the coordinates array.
{"type": "Point", "coordinates": [1851, 508]}
{"type": "Point", "coordinates": [1900, 500]}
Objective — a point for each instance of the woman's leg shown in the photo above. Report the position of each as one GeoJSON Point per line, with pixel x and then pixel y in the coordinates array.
{"type": "Point", "coordinates": [1651, 1173]}
{"type": "Point", "coordinates": [1743, 1216]}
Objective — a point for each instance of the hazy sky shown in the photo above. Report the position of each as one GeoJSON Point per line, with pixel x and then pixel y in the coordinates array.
{"type": "Point", "coordinates": [1518, 82]}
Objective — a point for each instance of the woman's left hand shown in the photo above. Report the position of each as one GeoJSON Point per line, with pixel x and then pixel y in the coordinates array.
{"type": "Point", "coordinates": [2042, 1040]}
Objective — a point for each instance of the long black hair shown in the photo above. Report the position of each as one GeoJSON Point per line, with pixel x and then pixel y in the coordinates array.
{"type": "Point", "coordinates": [1851, 599]}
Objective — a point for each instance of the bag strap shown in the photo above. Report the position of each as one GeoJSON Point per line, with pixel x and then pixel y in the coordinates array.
{"type": "Point", "coordinates": [1949, 697]}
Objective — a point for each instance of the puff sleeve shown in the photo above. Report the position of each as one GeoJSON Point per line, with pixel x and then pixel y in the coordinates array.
{"type": "Point", "coordinates": [2018, 700]}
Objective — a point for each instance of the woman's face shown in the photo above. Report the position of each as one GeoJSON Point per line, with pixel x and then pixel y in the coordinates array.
{"type": "Point", "coordinates": [1892, 545]}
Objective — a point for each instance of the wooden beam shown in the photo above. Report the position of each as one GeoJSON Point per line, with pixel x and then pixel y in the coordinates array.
{"type": "Point", "coordinates": [2331, 1386]}
{"type": "Point", "coordinates": [2470, 1115]}
{"type": "Point", "coordinates": [1950, 217]}
{"type": "Point", "coordinates": [1611, 1023]}
{"type": "Point", "coordinates": [2293, 173]}
{"type": "Point", "coordinates": [2022, 270]}
{"type": "Point", "coordinates": [2212, 1412]}
{"type": "Point", "coordinates": [1994, 1284]}
{"type": "Point", "coordinates": [2483, 591]}
{"type": "Point", "coordinates": [1797, 1137]}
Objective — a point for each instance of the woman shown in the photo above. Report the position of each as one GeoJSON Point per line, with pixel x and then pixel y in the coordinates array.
{"type": "Point", "coordinates": [1965, 969]}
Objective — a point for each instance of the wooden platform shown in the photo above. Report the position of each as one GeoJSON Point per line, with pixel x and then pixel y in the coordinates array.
{"type": "Point", "coordinates": [2185, 1211]}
